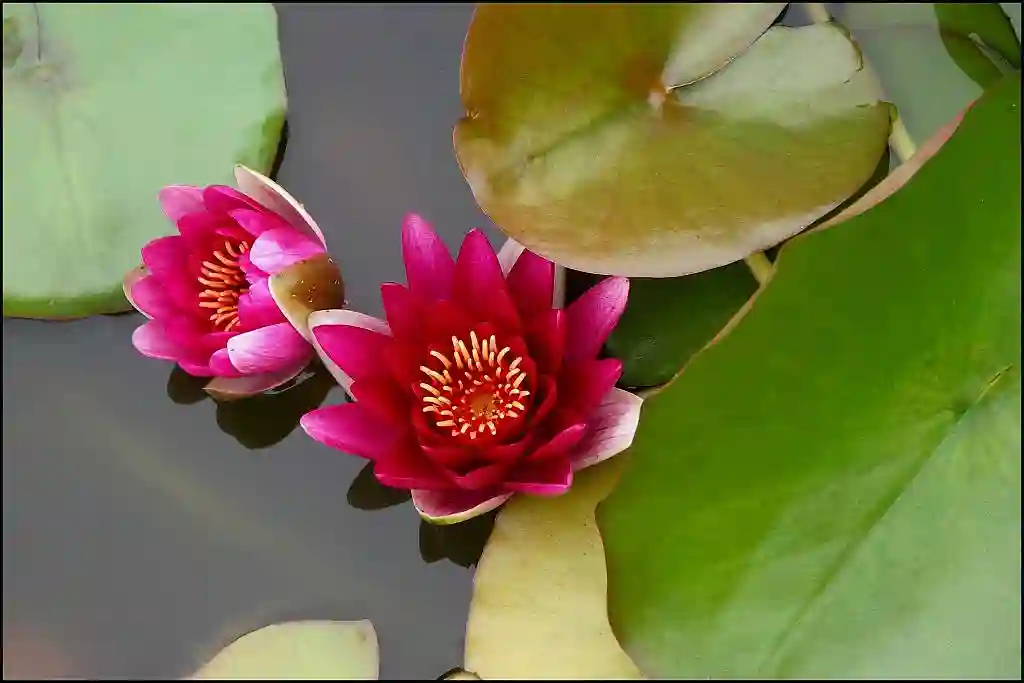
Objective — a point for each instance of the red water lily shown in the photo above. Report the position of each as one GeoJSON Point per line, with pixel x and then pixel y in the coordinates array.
{"type": "Point", "coordinates": [229, 296]}
{"type": "Point", "coordinates": [476, 387]}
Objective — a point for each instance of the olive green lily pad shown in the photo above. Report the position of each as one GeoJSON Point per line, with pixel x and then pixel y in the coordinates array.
{"type": "Point", "coordinates": [832, 489]}
{"type": "Point", "coordinates": [606, 148]}
{"type": "Point", "coordinates": [104, 104]}
{"type": "Point", "coordinates": [539, 608]}
{"type": "Point", "coordinates": [933, 59]}
{"type": "Point", "coordinates": [299, 650]}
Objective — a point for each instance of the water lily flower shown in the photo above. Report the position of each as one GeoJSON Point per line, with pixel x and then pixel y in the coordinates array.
{"type": "Point", "coordinates": [477, 386]}
{"type": "Point", "coordinates": [230, 295]}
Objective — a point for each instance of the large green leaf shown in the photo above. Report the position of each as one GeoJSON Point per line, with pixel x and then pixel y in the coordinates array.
{"type": "Point", "coordinates": [595, 147]}
{"type": "Point", "coordinates": [833, 489]}
{"type": "Point", "coordinates": [299, 650]}
{"type": "Point", "coordinates": [104, 104]}
{"type": "Point", "coordinates": [933, 59]}
{"type": "Point", "coordinates": [539, 609]}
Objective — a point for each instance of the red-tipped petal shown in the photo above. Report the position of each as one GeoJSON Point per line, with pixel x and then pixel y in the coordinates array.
{"type": "Point", "coordinates": [351, 428]}
{"type": "Point", "coordinates": [429, 267]}
{"type": "Point", "coordinates": [610, 429]}
{"type": "Point", "coordinates": [268, 349]}
{"type": "Point", "coordinates": [531, 282]}
{"type": "Point", "coordinates": [275, 250]}
{"type": "Point", "coordinates": [402, 311]}
{"type": "Point", "coordinates": [479, 285]}
{"type": "Point", "coordinates": [551, 477]}
{"type": "Point", "coordinates": [357, 351]}
{"type": "Point", "coordinates": [453, 505]}
{"type": "Point", "coordinates": [181, 200]}
{"type": "Point", "coordinates": [592, 317]}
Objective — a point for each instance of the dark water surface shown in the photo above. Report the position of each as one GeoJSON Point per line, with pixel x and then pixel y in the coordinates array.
{"type": "Point", "coordinates": [141, 533]}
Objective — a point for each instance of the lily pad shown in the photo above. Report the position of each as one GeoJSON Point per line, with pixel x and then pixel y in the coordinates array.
{"type": "Point", "coordinates": [832, 490]}
{"type": "Point", "coordinates": [539, 608]}
{"type": "Point", "coordinates": [933, 59]}
{"type": "Point", "coordinates": [104, 104]}
{"type": "Point", "coordinates": [299, 650]}
{"type": "Point", "coordinates": [607, 146]}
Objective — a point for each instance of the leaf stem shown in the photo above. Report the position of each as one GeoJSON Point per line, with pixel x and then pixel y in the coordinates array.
{"type": "Point", "coordinates": [899, 139]}
{"type": "Point", "coordinates": [760, 266]}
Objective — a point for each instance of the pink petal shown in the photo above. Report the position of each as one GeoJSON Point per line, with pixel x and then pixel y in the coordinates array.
{"type": "Point", "coordinates": [337, 316]}
{"type": "Point", "coordinates": [453, 505]}
{"type": "Point", "coordinates": [484, 478]}
{"type": "Point", "coordinates": [275, 250]}
{"type": "Point", "coordinates": [509, 254]}
{"type": "Point", "coordinates": [383, 397]}
{"type": "Point", "coordinates": [551, 477]}
{"type": "Point", "coordinates": [258, 222]}
{"type": "Point", "coordinates": [149, 297]}
{"type": "Point", "coordinates": [404, 466]}
{"type": "Point", "coordinates": [531, 282]}
{"type": "Point", "coordinates": [221, 365]}
{"type": "Point", "coordinates": [357, 351]}
{"type": "Point", "coordinates": [166, 257]}
{"type": "Point", "coordinates": [151, 340]}
{"type": "Point", "coordinates": [352, 428]}
{"type": "Point", "coordinates": [583, 385]}
{"type": "Point", "coordinates": [402, 311]}
{"type": "Point", "coordinates": [257, 308]}
{"type": "Point", "coordinates": [232, 388]}
{"type": "Point", "coordinates": [610, 429]}
{"type": "Point", "coordinates": [479, 285]}
{"type": "Point", "coordinates": [561, 445]}
{"type": "Point", "coordinates": [199, 230]}
{"type": "Point", "coordinates": [276, 198]}
{"type": "Point", "coordinates": [130, 278]}
{"type": "Point", "coordinates": [268, 349]}
{"type": "Point", "coordinates": [451, 457]}
{"type": "Point", "coordinates": [251, 272]}
{"type": "Point", "coordinates": [545, 339]}
{"type": "Point", "coordinates": [196, 369]}
{"type": "Point", "coordinates": [592, 317]}
{"type": "Point", "coordinates": [223, 199]}
{"type": "Point", "coordinates": [181, 200]}
{"type": "Point", "coordinates": [429, 267]}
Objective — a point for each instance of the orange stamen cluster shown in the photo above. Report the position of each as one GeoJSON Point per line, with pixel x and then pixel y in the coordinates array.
{"type": "Point", "coordinates": [224, 282]}
{"type": "Point", "coordinates": [476, 390]}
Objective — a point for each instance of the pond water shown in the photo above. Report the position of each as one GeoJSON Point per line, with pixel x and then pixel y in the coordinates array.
{"type": "Point", "coordinates": [143, 526]}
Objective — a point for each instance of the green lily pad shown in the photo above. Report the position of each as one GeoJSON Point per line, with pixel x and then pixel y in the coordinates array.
{"type": "Point", "coordinates": [104, 104]}
{"type": "Point", "coordinates": [832, 490]}
{"type": "Point", "coordinates": [539, 606]}
{"type": "Point", "coordinates": [299, 650]}
{"type": "Point", "coordinates": [933, 59]}
{"type": "Point", "coordinates": [607, 146]}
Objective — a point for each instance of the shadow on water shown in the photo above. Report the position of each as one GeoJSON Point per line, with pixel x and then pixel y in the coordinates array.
{"type": "Point", "coordinates": [259, 421]}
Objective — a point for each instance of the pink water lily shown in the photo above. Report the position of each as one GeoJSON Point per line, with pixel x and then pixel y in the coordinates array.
{"type": "Point", "coordinates": [230, 295]}
{"type": "Point", "coordinates": [477, 386]}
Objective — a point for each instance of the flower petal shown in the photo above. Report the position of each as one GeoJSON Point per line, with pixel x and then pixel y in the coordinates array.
{"type": "Point", "coordinates": [276, 198]}
{"type": "Point", "coordinates": [233, 388]}
{"type": "Point", "coordinates": [453, 505]}
{"type": "Point", "coordinates": [337, 317]}
{"type": "Point", "coordinates": [402, 311]}
{"type": "Point", "coordinates": [509, 254]}
{"type": "Point", "coordinates": [151, 299]}
{"type": "Point", "coordinates": [181, 200]}
{"type": "Point", "coordinates": [592, 317]}
{"type": "Point", "coordinates": [151, 340]}
{"type": "Point", "coordinates": [130, 278]}
{"type": "Point", "coordinates": [257, 308]}
{"type": "Point", "coordinates": [223, 199]}
{"type": "Point", "coordinates": [479, 284]}
{"type": "Point", "coordinates": [550, 477]}
{"type": "Point", "coordinates": [404, 466]}
{"type": "Point", "coordinates": [429, 267]}
{"type": "Point", "coordinates": [275, 250]}
{"type": "Point", "coordinates": [610, 429]}
{"type": "Point", "coordinates": [352, 428]}
{"type": "Point", "coordinates": [166, 257]}
{"type": "Point", "coordinates": [258, 222]}
{"type": "Point", "coordinates": [221, 365]}
{"type": "Point", "coordinates": [195, 369]}
{"type": "Point", "coordinates": [383, 397]}
{"type": "Point", "coordinates": [546, 338]}
{"type": "Point", "coordinates": [561, 444]}
{"type": "Point", "coordinates": [583, 385]}
{"type": "Point", "coordinates": [531, 282]}
{"type": "Point", "coordinates": [268, 349]}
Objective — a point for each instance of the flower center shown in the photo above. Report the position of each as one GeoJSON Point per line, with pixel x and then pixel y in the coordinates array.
{"type": "Point", "coordinates": [476, 390]}
{"type": "Point", "coordinates": [224, 282]}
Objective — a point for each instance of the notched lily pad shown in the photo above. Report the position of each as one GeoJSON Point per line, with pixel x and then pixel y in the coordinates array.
{"type": "Point", "coordinates": [649, 140]}
{"type": "Point", "coordinates": [104, 104]}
